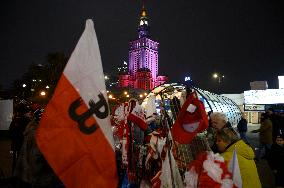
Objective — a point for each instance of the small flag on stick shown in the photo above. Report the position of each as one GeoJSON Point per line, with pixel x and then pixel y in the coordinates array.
{"type": "Point", "coordinates": [235, 169]}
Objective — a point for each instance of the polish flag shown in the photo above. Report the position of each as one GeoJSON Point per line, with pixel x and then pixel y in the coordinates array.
{"type": "Point", "coordinates": [235, 169]}
{"type": "Point", "coordinates": [75, 134]}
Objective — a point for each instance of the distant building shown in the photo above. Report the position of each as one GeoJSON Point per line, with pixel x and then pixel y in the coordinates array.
{"type": "Point", "coordinates": [281, 82]}
{"type": "Point", "coordinates": [257, 100]}
{"type": "Point", "coordinates": [143, 60]}
{"type": "Point", "coordinates": [258, 85]}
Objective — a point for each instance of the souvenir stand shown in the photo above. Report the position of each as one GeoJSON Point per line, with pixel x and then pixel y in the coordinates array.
{"type": "Point", "coordinates": [150, 150]}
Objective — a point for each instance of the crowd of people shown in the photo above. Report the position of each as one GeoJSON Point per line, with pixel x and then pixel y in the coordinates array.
{"type": "Point", "coordinates": [30, 168]}
{"type": "Point", "coordinates": [226, 141]}
{"type": "Point", "coordinates": [271, 143]}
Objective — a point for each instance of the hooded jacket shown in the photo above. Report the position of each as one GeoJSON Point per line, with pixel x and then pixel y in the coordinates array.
{"type": "Point", "coordinates": [247, 165]}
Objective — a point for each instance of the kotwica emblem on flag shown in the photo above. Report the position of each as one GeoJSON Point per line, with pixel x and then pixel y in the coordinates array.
{"type": "Point", "coordinates": [94, 109]}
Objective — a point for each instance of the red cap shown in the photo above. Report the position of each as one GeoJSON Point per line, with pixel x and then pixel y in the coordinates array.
{"type": "Point", "coordinates": [191, 120]}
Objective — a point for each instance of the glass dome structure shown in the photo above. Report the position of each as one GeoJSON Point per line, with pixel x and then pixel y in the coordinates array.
{"type": "Point", "coordinates": [164, 94]}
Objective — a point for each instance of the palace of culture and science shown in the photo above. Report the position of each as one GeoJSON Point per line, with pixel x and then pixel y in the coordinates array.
{"type": "Point", "coordinates": [143, 60]}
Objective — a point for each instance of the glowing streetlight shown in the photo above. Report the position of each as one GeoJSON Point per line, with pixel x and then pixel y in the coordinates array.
{"type": "Point", "coordinates": [219, 77]}
{"type": "Point", "coordinates": [110, 96]}
{"type": "Point", "coordinates": [125, 92]}
{"type": "Point", "coordinates": [127, 96]}
{"type": "Point", "coordinates": [42, 93]}
{"type": "Point", "coordinates": [215, 75]}
{"type": "Point", "coordinates": [24, 85]}
{"type": "Point", "coordinates": [47, 87]}
{"type": "Point", "coordinates": [140, 95]}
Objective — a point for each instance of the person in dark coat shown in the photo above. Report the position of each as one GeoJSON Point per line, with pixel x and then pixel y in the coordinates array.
{"type": "Point", "coordinates": [265, 136]}
{"type": "Point", "coordinates": [276, 160]}
{"type": "Point", "coordinates": [242, 128]}
{"type": "Point", "coordinates": [276, 122]}
{"type": "Point", "coordinates": [21, 118]}
{"type": "Point", "coordinates": [32, 170]}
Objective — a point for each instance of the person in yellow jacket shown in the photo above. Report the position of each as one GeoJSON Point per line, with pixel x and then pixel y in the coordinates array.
{"type": "Point", "coordinates": [227, 141]}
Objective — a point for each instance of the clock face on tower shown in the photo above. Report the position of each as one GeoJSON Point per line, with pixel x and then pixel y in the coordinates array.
{"type": "Point", "coordinates": [143, 22]}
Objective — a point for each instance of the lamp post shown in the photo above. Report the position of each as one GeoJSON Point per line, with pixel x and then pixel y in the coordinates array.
{"type": "Point", "coordinates": [24, 90]}
{"type": "Point", "coordinates": [219, 77]}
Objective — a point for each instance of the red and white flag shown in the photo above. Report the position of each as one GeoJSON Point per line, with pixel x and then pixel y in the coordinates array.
{"type": "Point", "coordinates": [75, 134]}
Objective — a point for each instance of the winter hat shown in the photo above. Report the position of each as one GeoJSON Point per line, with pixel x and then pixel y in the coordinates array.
{"type": "Point", "coordinates": [208, 170]}
{"type": "Point", "coordinates": [136, 115]}
{"type": "Point", "coordinates": [191, 120]}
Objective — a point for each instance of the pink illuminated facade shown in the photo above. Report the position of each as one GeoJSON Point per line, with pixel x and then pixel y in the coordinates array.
{"type": "Point", "coordinates": [143, 60]}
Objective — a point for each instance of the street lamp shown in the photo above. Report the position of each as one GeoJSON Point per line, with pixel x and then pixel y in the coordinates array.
{"type": "Point", "coordinates": [24, 90]}
{"type": "Point", "coordinates": [219, 77]}
{"type": "Point", "coordinates": [42, 93]}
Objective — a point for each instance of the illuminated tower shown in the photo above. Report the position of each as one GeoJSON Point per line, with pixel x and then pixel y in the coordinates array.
{"type": "Point", "coordinates": [143, 52]}
{"type": "Point", "coordinates": [143, 59]}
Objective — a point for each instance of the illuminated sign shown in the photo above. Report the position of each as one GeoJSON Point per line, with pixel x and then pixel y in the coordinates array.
{"type": "Point", "coordinates": [254, 107]}
{"type": "Point", "coordinates": [268, 96]}
{"type": "Point", "coordinates": [281, 82]}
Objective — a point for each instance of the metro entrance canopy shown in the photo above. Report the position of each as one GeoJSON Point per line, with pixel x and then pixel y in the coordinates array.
{"type": "Point", "coordinates": [213, 103]}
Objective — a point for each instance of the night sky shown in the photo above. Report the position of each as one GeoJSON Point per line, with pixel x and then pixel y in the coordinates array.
{"type": "Point", "coordinates": [242, 39]}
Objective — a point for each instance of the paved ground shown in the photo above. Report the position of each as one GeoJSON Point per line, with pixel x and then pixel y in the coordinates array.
{"type": "Point", "coordinates": [265, 173]}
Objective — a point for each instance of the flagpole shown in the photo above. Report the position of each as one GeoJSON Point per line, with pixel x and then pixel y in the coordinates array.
{"type": "Point", "coordinates": [234, 162]}
{"type": "Point", "coordinates": [169, 141]}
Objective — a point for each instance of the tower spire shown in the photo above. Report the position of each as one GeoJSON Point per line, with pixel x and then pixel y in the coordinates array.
{"type": "Point", "coordinates": [143, 11]}
{"type": "Point", "coordinates": [143, 28]}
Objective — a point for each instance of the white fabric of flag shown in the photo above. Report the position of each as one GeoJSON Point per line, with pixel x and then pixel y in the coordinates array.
{"type": "Point", "coordinates": [170, 176]}
{"type": "Point", "coordinates": [87, 51]}
{"type": "Point", "coordinates": [235, 169]}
